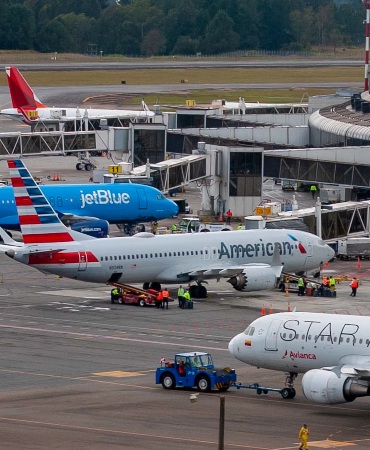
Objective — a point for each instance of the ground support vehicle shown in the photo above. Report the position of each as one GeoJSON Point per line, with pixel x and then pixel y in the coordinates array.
{"type": "Point", "coordinates": [129, 295]}
{"type": "Point", "coordinates": [194, 369]}
{"type": "Point", "coordinates": [194, 225]}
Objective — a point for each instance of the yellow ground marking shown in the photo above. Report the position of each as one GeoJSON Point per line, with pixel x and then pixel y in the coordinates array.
{"type": "Point", "coordinates": [117, 374]}
{"type": "Point", "coordinates": [329, 444]}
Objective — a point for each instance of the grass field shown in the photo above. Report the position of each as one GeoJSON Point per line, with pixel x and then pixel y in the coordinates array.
{"type": "Point", "coordinates": [203, 76]}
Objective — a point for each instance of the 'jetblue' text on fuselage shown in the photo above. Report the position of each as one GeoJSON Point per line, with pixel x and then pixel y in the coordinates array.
{"type": "Point", "coordinates": [103, 197]}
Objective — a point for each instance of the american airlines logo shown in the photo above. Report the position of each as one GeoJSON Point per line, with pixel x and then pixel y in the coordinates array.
{"type": "Point", "coordinates": [103, 197]}
{"type": "Point", "coordinates": [298, 355]}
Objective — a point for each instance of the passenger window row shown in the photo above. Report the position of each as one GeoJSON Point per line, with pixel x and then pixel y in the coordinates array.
{"type": "Point", "coordinates": [159, 255]}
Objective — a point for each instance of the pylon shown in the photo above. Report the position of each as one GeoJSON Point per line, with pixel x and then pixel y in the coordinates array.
{"type": "Point", "coordinates": [271, 308]}
{"type": "Point", "coordinates": [263, 312]}
{"type": "Point", "coordinates": [220, 219]}
{"type": "Point", "coordinates": [358, 262]}
{"type": "Point", "coordinates": [286, 292]}
{"type": "Point", "coordinates": [289, 310]}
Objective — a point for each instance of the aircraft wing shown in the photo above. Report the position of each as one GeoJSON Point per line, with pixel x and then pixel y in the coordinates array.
{"type": "Point", "coordinates": [231, 271]}
{"type": "Point", "coordinates": [355, 366]}
{"type": "Point", "coordinates": [69, 218]}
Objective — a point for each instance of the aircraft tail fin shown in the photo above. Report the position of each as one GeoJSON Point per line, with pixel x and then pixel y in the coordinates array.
{"type": "Point", "coordinates": [21, 93]}
{"type": "Point", "coordinates": [39, 222]}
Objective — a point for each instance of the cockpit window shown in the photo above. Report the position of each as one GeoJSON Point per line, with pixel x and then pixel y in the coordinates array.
{"type": "Point", "coordinates": [160, 197]}
{"type": "Point", "coordinates": [249, 331]}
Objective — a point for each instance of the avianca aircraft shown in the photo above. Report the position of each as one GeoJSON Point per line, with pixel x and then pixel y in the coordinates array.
{"type": "Point", "coordinates": [332, 350]}
{"type": "Point", "coordinates": [250, 259]}
{"type": "Point", "coordinates": [28, 108]}
{"type": "Point", "coordinates": [88, 207]}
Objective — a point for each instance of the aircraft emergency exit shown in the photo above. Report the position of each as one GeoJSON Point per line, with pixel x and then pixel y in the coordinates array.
{"type": "Point", "coordinates": [90, 208]}
{"type": "Point", "coordinates": [251, 259]}
{"type": "Point", "coordinates": [332, 350]}
{"type": "Point", "coordinates": [29, 109]}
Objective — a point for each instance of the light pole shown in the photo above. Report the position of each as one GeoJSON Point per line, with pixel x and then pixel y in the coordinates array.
{"type": "Point", "coordinates": [221, 426]}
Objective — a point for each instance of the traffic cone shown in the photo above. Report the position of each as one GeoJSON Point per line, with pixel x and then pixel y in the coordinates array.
{"type": "Point", "coordinates": [220, 219]}
{"type": "Point", "coordinates": [289, 310]}
{"type": "Point", "coordinates": [263, 312]}
{"type": "Point", "coordinates": [271, 308]}
{"type": "Point", "coordinates": [358, 262]}
{"type": "Point", "coordinates": [286, 292]}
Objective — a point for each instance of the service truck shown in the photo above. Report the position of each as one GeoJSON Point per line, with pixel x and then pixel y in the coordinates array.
{"type": "Point", "coordinates": [194, 369]}
{"type": "Point", "coordinates": [353, 248]}
{"type": "Point", "coordinates": [194, 225]}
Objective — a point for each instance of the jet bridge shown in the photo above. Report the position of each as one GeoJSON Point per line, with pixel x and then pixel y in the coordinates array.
{"type": "Point", "coordinates": [175, 173]}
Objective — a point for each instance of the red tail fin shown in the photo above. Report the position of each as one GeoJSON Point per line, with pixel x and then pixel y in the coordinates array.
{"type": "Point", "coordinates": [21, 93]}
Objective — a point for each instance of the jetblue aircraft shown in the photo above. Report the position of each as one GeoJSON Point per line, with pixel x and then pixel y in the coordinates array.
{"type": "Point", "coordinates": [89, 207]}
{"type": "Point", "coordinates": [251, 260]}
{"type": "Point", "coordinates": [331, 350]}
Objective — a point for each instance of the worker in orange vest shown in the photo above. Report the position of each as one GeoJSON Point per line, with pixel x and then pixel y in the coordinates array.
{"type": "Point", "coordinates": [165, 297]}
{"type": "Point", "coordinates": [229, 215]}
{"type": "Point", "coordinates": [159, 300]}
{"type": "Point", "coordinates": [354, 286]}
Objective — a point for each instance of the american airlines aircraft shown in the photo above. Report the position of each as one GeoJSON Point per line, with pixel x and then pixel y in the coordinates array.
{"type": "Point", "coordinates": [332, 350]}
{"type": "Point", "coordinates": [251, 260]}
{"type": "Point", "coordinates": [87, 207]}
{"type": "Point", "coordinates": [29, 109]}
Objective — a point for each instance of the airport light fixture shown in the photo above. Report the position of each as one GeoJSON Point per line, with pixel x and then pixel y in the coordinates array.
{"type": "Point", "coordinates": [221, 428]}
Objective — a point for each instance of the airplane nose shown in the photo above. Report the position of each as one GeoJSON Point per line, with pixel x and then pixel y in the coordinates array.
{"type": "Point", "coordinates": [231, 346]}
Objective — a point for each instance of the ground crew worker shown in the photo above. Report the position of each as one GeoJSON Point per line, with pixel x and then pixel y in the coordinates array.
{"type": "Point", "coordinates": [354, 286]}
{"type": "Point", "coordinates": [303, 437]}
{"type": "Point", "coordinates": [114, 295]}
{"type": "Point", "coordinates": [240, 227]}
{"type": "Point", "coordinates": [180, 296]}
{"type": "Point", "coordinates": [300, 286]}
{"type": "Point", "coordinates": [155, 227]}
{"type": "Point", "coordinates": [165, 296]}
{"type": "Point", "coordinates": [173, 228]}
{"type": "Point", "coordinates": [229, 215]}
{"type": "Point", "coordinates": [186, 298]}
{"type": "Point", "coordinates": [158, 302]}
{"type": "Point", "coordinates": [313, 190]}
{"type": "Point", "coordinates": [332, 283]}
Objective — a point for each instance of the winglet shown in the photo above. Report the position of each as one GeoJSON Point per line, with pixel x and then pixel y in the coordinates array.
{"type": "Point", "coordinates": [21, 93]}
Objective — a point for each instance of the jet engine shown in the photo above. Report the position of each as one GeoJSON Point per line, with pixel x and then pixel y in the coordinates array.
{"type": "Point", "coordinates": [325, 386]}
{"type": "Point", "coordinates": [97, 228]}
{"type": "Point", "coordinates": [256, 278]}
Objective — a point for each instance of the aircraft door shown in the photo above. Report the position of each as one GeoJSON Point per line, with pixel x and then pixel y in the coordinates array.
{"type": "Point", "coordinates": [271, 335]}
{"type": "Point", "coordinates": [143, 201]}
{"type": "Point", "coordinates": [309, 249]}
{"type": "Point", "coordinates": [82, 264]}
{"type": "Point", "coordinates": [59, 202]}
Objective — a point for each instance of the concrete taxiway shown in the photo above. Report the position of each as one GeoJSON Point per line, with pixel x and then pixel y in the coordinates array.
{"type": "Point", "coordinates": [77, 371]}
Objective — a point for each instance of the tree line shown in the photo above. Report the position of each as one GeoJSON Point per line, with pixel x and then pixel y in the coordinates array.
{"type": "Point", "coordinates": [179, 27]}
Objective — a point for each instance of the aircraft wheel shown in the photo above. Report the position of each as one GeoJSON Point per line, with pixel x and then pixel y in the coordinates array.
{"type": "Point", "coordinates": [88, 167]}
{"type": "Point", "coordinates": [224, 388]}
{"type": "Point", "coordinates": [168, 381]}
{"type": "Point", "coordinates": [287, 393]}
{"type": "Point", "coordinates": [145, 286]}
{"type": "Point", "coordinates": [203, 384]}
{"type": "Point", "coordinates": [79, 166]}
{"type": "Point", "coordinates": [142, 302]}
{"type": "Point", "coordinates": [202, 292]}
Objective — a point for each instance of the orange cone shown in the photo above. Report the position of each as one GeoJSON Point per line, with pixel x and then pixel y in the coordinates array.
{"type": "Point", "coordinates": [286, 292]}
{"type": "Point", "coordinates": [220, 219]}
{"type": "Point", "coordinates": [289, 310]}
{"type": "Point", "coordinates": [263, 312]}
{"type": "Point", "coordinates": [358, 263]}
{"type": "Point", "coordinates": [271, 308]}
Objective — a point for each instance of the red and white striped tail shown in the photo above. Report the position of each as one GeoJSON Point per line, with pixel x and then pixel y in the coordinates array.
{"type": "Point", "coordinates": [39, 222]}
